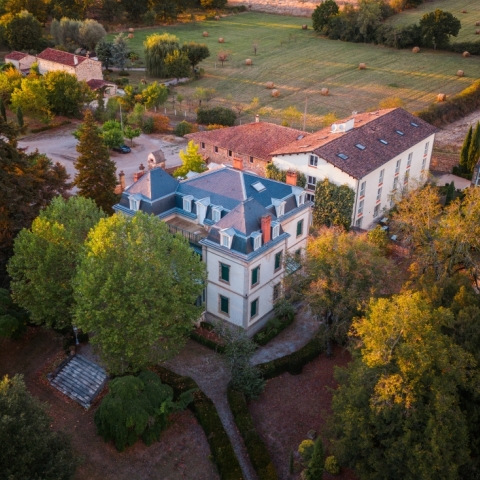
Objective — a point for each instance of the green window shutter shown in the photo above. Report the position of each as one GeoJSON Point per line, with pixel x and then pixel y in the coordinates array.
{"type": "Point", "coordinates": [255, 272]}
{"type": "Point", "coordinates": [278, 260]}
{"type": "Point", "coordinates": [299, 228]}
{"type": "Point", "coordinates": [225, 272]}
{"type": "Point", "coordinates": [224, 304]}
{"type": "Point", "coordinates": [253, 308]}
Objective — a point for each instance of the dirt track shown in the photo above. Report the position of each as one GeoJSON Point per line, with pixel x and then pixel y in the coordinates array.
{"type": "Point", "coordinates": [450, 138]}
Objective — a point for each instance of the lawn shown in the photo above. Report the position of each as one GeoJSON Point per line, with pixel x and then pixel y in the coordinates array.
{"type": "Point", "coordinates": [467, 32]}
{"type": "Point", "coordinates": [301, 64]}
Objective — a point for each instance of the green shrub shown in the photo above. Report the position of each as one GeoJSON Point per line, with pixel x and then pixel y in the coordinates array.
{"type": "Point", "coordinates": [275, 325]}
{"type": "Point", "coordinates": [123, 73]}
{"type": "Point", "coordinates": [256, 449]}
{"type": "Point", "coordinates": [13, 319]}
{"type": "Point", "coordinates": [207, 415]}
{"type": "Point", "coordinates": [137, 407]}
{"type": "Point", "coordinates": [457, 170]}
{"type": "Point", "coordinates": [456, 107]}
{"type": "Point", "coordinates": [207, 342]}
{"type": "Point", "coordinates": [216, 115]}
{"type": "Point", "coordinates": [305, 449]}
{"type": "Point", "coordinates": [183, 128]}
{"type": "Point", "coordinates": [294, 362]}
{"type": "Point", "coordinates": [148, 125]}
{"type": "Point", "coordinates": [332, 466]}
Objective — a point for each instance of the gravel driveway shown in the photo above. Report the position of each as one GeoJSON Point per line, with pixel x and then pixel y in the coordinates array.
{"type": "Point", "coordinates": [59, 145]}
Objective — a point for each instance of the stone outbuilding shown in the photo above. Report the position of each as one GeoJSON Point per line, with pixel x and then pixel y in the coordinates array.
{"type": "Point", "coordinates": [156, 159]}
{"type": "Point", "coordinates": [21, 61]}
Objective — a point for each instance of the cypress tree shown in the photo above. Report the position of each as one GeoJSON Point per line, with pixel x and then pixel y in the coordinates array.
{"type": "Point", "coordinates": [474, 149]}
{"type": "Point", "coordinates": [464, 151]}
{"type": "Point", "coordinates": [3, 112]}
{"type": "Point", "coordinates": [315, 467]}
{"type": "Point", "coordinates": [95, 177]}
{"type": "Point", "coordinates": [20, 117]}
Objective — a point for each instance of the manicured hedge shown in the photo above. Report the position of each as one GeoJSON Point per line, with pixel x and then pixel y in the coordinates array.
{"type": "Point", "coordinates": [294, 362]}
{"type": "Point", "coordinates": [207, 342]}
{"type": "Point", "coordinates": [216, 115]}
{"type": "Point", "coordinates": [207, 415]}
{"type": "Point", "coordinates": [454, 108]}
{"type": "Point", "coordinates": [471, 47]}
{"type": "Point", "coordinates": [272, 329]}
{"type": "Point", "coordinates": [257, 451]}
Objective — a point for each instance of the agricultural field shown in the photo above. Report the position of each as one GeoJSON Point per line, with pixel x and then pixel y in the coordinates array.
{"type": "Point", "coordinates": [455, 7]}
{"type": "Point", "coordinates": [300, 64]}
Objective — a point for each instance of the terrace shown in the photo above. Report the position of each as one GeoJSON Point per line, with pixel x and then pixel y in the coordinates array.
{"type": "Point", "coordinates": [191, 231]}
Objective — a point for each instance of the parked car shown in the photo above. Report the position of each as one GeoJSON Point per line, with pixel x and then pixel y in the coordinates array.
{"type": "Point", "coordinates": [122, 149]}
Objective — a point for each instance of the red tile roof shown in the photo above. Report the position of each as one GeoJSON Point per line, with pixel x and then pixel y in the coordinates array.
{"type": "Point", "coordinates": [15, 56]}
{"type": "Point", "coordinates": [258, 139]}
{"type": "Point", "coordinates": [58, 56]}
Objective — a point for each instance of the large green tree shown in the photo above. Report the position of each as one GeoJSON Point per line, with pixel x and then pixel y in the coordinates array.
{"type": "Point", "coordinates": [157, 47]}
{"type": "Point", "coordinates": [196, 52]}
{"type": "Point", "coordinates": [23, 32]}
{"type": "Point", "coordinates": [91, 32]}
{"type": "Point", "coordinates": [333, 204]}
{"type": "Point", "coordinates": [46, 256]}
{"type": "Point", "coordinates": [136, 289]}
{"type": "Point", "coordinates": [120, 51]}
{"type": "Point", "coordinates": [38, 8]}
{"type": "Point", "coordinates": [135, 8]}
{"type": "Point", "coordinates": [30, 449]}
{"type": "Point", "coordinates": [192, 161]}
{"type": "Point", "coordinates": [154, 95]}
{"type": "Point", "coordinates": [437, 27]}
{"type": "Point", "coordinates": [95, 177]}
{"type": "Point", "coordinates": [397, 411]}
{"type": "Point", "coordinates": [342, 272]}
{"type": "Point", "coordinates": [32, 98]}
{"type": "Point", "coordinates": [105, 52]}
{"type": "Point", "coordinates": [323, 13]}
{"type": "Point", "coordinates": [27, 185]}
{"type": "Point", "coordinates": [177, 64]}
{"type": "Point", "coordinates": [65, 94]}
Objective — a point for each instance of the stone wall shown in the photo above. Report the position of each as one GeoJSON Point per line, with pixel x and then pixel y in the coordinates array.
{"type": "Point", "coordinates": [89, 69]}
{"type": "Point", "coordinates": [249, 164]}
{"type": "Point", "coordinates": [45, 66]}
{"type": "Point", "coordinates": [283, 7]}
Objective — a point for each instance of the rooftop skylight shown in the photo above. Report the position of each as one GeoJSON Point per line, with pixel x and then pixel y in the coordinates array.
{"type": "Point", "coordinates": [413, 124]}
{"type": "Point", "coordinates": [360, 146]}
{"type": "Point", "coordinates": [342, 156]}
{"type": "Point", "coordinates": [383, 141]}
{"type": "Point", "coordinates": [400, 132]}
{"type": "Point", "coordinates": [258, 186]}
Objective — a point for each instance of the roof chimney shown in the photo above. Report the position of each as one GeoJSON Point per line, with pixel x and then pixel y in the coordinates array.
{"type": "Point", "coordinates": [266, 222]}
{"type": "Point", "coordinates": [257, 118]}
{"type": "Point", "coordinates": [238, 164]}
{"type": "Point", "coordinates": [75, 60]}
{"type": "Point", "coordinates": [292, 178]}
{"type": "Point", "coordinates": [121, 176]}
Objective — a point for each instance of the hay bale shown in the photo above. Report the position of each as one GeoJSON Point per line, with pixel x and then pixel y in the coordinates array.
{"type": "Point", "coordinates": [221, 40]}
{"type": "Point", "coordinates": [465, 54]}
{"type": "Point", "coordinates": [270, 85]}
{"type": "Point", "coordinates": [477, 32]}
{"type": "Point", "coordinates": [477, 24]}
{"type": "Point", "coordinates": [130, 35]}
{"type": "Point", "coordinates": [131, 30]}
{"type": "Point", "coordinates": [460, 73]}
{"type": "Point", "coordinates": [324, 91]}
{"type": "Point", "coordinates": [304, 27]}
{"type": "Point", "coordinates": [248, 61]}
{"type": "Point", "coordinates": [275, 93]}
{"type": "Point", "coordinates": [415, 49]}
{"type": "Point", "coordinates": [441, 97]}
{"type": "Point", "coordinates": [464, 11]}
{"type": "Point", "coordinates": [205, 34]}
{"type": "Point", "coordinates": [362, 66]}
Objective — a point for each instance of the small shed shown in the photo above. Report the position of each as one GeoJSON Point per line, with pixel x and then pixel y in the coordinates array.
{"type": "Point", "coordinates": [156, 159]}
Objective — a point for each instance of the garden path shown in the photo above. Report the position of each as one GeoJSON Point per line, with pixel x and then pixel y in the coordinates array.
{"type": "Point", "coordinates": [211, 373]}
{"type": "Point", "coordinates": [294, 337]}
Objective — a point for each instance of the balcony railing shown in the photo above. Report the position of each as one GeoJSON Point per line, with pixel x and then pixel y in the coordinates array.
{"type": "Point", "coordinates": [191, 237]}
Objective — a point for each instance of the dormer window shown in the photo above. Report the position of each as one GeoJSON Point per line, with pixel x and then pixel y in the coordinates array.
{"type": "Point", "coordinates": [134, 202]}
{"type": "Point", "coordinates": [257, 240]}
{"type": "Point", "coordinates": [226, 238]}
{"type": "Point", "coordinates": [216, 214]}
{"type": "Point", "coordinates": [279, 207]}
{"type": "Point", "coordinates": [275, 230]}
{"type": "Point", "coordinates": [187, 203]}
{"type": "Point", "coordinates": [299, 195]}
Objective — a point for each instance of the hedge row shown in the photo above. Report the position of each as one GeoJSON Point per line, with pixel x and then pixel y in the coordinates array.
{"type": "Point", "coordinates": [456, 107]}
{"type": "Point", "coordinates": [471, 47]}
{"type": "Point", "coordinates": [207, 342]}
{"type": "Point", "coordinates": [257, 451]}
{"type": "Point", "coordinates": [294, 362]}
{"type": "Point", "coordinates": [273, 327]}
{"type": "Point", "coordinates": [207, 415]}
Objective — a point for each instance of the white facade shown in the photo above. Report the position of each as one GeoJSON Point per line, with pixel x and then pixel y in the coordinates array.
{"type": "Point", "coordinates": [376, 193]}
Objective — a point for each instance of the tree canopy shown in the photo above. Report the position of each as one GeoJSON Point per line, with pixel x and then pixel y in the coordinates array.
{"type": "Point", "coordinates": [437, 27]}
{"type": "Point", "coordinates": [46, 256]}
{"type": "Point", "coordinates": [30, 449]}
{"type": "Point", "coordinates": [323, 13]}
{"type": "Point", "coordinates": [157, 47]}
{"type": "Point", "coordinates": [136, 289]}
{"type": "Point", "coordinates": [192, 161]}
{"type": "Point", "coordinates": [23, 32]}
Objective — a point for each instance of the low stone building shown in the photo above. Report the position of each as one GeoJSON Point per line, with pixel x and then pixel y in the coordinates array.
{"type": "Point", "coordinates": [21, 61]}
{"type": "Point", "coordinates": [83, 68]}
{"type": "Point", "coordinates": [250, 144]}
{"type": "Point", "coordinates": [156, 159]}
{"type": "Point", "coordinates": [110, 88]}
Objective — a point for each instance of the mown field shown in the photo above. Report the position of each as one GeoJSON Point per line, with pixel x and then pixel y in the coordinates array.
{"type": "Point", "coordinates": [301, 64]}
{"type": "Point", "coordinates": [455, 7]}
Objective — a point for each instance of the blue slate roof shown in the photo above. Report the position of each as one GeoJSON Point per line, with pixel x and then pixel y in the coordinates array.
{"type": "Point", "coordinates": [154, 184]}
